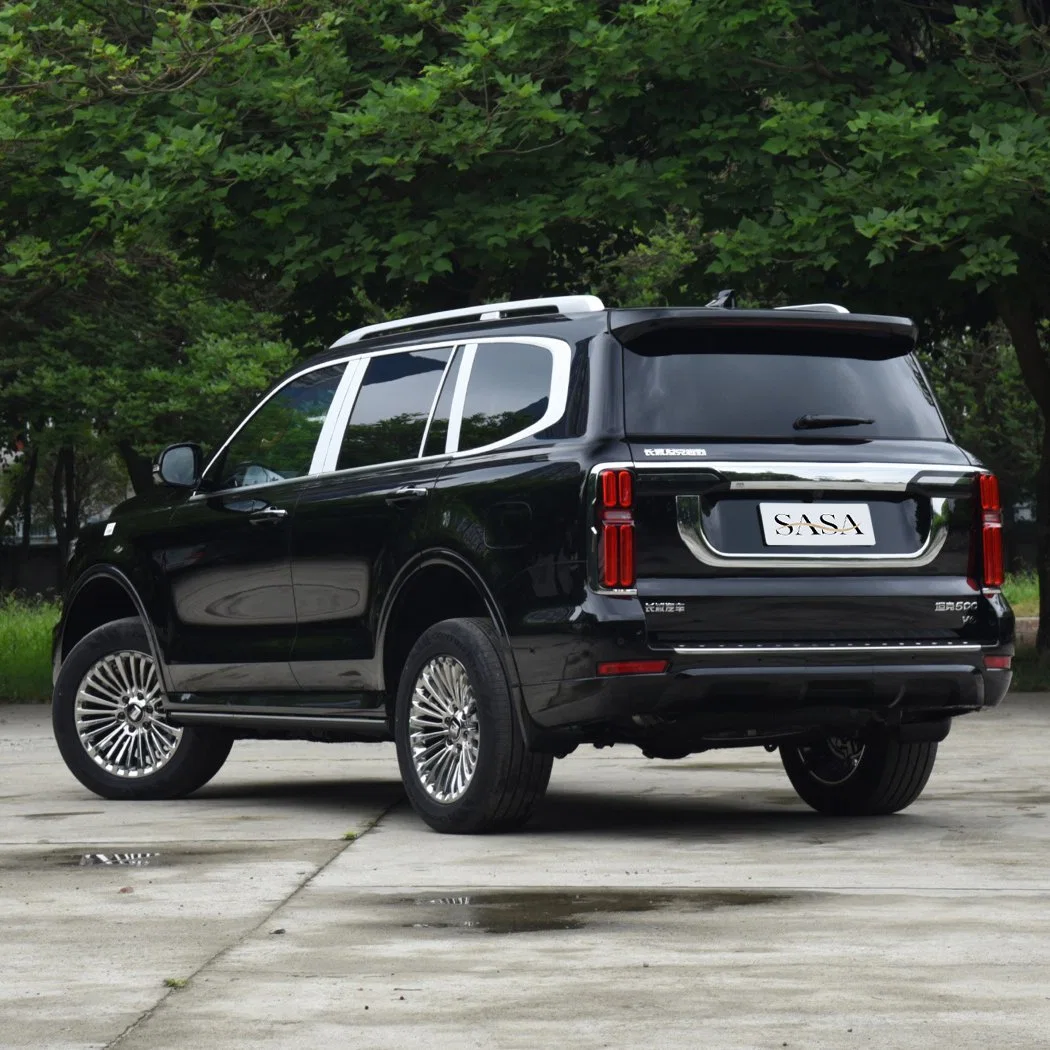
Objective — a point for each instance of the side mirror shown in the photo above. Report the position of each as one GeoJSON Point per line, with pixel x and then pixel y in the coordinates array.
{"type": "Point", "coordinates": [180, 466]}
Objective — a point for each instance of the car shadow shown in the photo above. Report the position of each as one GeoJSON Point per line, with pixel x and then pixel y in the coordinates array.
{"type": "Point", "coordinates": [326, 792]}
{"type": "Point", "coordinates": [772, 814]}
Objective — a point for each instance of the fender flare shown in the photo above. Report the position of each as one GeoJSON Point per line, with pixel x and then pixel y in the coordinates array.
{"type": "Point", "coordinates": [112, 573]}
{"type": "Point", "coordinates": [453, 560]}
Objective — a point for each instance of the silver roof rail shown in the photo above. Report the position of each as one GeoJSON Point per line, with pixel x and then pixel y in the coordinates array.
{"type": "Point", "coordinates": [831, 308]}
{"type": "Point", "coordinates": [563, 304]}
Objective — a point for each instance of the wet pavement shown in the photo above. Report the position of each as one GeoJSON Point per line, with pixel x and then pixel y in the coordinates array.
{"type": "Point", "coordinates": [296, 901]}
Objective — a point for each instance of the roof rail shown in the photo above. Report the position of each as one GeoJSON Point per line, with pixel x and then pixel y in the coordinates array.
{"type": "Point", "coordinates": [564, 304]}
{"type": "Point", "coordinates": [831, 308]}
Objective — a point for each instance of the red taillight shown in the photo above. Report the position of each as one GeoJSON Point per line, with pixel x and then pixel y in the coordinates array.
{"type": "Point", "coordinates": [633, 667]}
{"type": "Point", "coordinates": [998, 663]}
{"type": "Point", "coordinates": [616, 528]}
{"type": "Point", "coordinates": [991, 529]}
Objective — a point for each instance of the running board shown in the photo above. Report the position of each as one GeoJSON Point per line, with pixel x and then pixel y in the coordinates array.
{"type": "Point", "coordinates": [367, 727]}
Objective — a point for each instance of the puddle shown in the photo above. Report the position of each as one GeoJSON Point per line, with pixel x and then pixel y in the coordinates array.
{"type": "Point", "coordinates": [539, 911]}
{"type": "Point", "coordinates": [120, 860]}
{"type": "Point", "coordinates": [162, 855]}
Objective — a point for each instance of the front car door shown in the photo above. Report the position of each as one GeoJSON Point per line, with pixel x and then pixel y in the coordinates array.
{"type": "Point", "coordinates": [226, 560]}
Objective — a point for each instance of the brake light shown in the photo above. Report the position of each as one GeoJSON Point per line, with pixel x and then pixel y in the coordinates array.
{"type": "Point", "coordinates": [998, 663]}
{"type": "Point", "coordinates": [616, 528]}
{"type": "Point", "coordinates": [991, 530]}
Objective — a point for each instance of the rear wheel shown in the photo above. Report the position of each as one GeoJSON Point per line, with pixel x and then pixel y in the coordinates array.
{"type": "Point", "coordinates": [463, 757]}
{"type": "Point", "coordinates": [110, 726]}
{"type": "Point", "coordinates": [851, 776]}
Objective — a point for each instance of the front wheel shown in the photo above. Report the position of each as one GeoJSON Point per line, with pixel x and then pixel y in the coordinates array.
{"type": "Point", "coordinates": [109, 722]}
{"type": "Point", "coordinates": [853, 776]}
{"type": "Point", "coordinates": [463, 758]}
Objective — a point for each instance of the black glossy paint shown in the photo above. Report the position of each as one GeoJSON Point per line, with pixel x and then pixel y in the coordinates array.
{"type": "Point", "coordinates": [293, 618]}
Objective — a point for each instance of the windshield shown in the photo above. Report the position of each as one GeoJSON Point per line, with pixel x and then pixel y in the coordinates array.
{"type": "Point", "coordinates": [762, 385]}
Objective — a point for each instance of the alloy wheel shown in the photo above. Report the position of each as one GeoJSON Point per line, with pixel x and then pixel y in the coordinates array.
{"type": "Point", "coordinates": [443, 729]}
{"type": "Point", "coordinates": [119, 716]}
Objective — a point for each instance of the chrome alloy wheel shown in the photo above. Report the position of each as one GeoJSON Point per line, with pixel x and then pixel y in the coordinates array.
{"type": "Point", "coordinates": [832, 761]}
{"type": "Point", "coordinates": [443, 729]}
{"type": "Point", "coordinates": [119, 719]}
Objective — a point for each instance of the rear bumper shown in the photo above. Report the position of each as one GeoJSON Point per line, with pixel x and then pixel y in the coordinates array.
{"type": "Point", "coordinates": [772, 696]}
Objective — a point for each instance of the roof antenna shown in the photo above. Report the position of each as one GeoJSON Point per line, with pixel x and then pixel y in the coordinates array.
{"type": "Point", "coordinates": [725, 300]}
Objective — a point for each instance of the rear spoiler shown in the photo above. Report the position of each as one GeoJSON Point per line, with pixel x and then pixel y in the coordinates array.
{"type": "Point", "coordinates": [629, 325]}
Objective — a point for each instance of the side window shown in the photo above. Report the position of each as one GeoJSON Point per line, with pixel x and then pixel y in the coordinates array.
{"type": "Point", "coordinates": [278, 441]}
{"type": "Point", "coordinates": [508, 390]}
{"type": "Point", "coordinates": [392, 408]}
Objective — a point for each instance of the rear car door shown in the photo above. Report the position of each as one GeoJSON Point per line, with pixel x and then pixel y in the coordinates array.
{"type": "Point", "coordinates": [365, 514]}
{"type": "Point", "coordinates": [226, 557]}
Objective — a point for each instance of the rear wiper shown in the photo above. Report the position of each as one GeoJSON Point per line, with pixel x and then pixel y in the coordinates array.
{"type": "Point", "coordinates": [815, 422]}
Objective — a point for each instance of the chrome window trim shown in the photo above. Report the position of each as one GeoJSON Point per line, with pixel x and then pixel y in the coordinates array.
{"type": "Point", "coordinates": [326, 451]}
{"type": "Point", "coordinates": [557, 396]}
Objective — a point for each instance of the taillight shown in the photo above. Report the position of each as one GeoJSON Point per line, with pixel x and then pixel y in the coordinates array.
{"type": "Point", "coordinates": [616, 528]}
{"type": "Point", "coordinates": [990, 527]}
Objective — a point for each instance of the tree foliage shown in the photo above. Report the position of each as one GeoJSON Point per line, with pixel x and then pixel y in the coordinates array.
{"type": "Point", "coordinates": [187, 186]}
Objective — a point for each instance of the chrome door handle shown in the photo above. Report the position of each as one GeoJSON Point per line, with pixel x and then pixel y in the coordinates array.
{"type": "Point", "coordinates": [268, 515]}
{"type": "Point", "coordinates": [406, 494]}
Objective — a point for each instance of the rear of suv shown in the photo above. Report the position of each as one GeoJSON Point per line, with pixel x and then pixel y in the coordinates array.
{"type": "Point", "coordinates": [495, 534]}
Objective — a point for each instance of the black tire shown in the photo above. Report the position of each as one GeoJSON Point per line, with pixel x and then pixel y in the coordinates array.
{"type": "Point", "coordinates": [888, 775]}
{"type": "Point", "coordinates": [508, 779]}
{"type": "Point", "coordinates": [195, 759]}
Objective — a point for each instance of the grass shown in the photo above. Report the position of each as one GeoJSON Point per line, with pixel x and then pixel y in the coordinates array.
{"type": "Point", "coordinates": [1022, 592]}
{"type": "Point", "coordinates": [25, 648]}
{"type": "Point", "coordinates": [176, 982]}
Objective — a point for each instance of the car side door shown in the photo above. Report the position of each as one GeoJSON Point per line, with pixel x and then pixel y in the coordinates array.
{"type": "Point", "coordinates": [364, 516]}
{"type": "Point", "coordinates": [225, 560]}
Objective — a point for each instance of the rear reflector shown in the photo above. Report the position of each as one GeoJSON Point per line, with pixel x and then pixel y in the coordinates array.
{"type": "Point", "coordinates": [997, 663]}
{"type": "Point", "coordinates": [991, 524]}
{"type": "Point", "coordinates": [633, 667]}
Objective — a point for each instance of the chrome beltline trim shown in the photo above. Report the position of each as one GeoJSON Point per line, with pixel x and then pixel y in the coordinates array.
{"type": "Point", "coordinates": [878, 647]}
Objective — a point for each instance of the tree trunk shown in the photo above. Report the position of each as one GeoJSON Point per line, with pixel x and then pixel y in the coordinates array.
{"type": "Point", "coordinates": [139, 467]}
{"type": "Point", "coordinates": [27, 503]}
{"type": "Point", "coordinates": [59, 508]}
{"type": "Point", "coordinates": [1018, 312]}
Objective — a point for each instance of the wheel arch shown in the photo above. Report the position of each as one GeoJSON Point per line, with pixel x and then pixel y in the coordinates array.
{"type": "Point", "coordinates": [99, 597]}
{"type": "Point", "coordinates": [412, 607]}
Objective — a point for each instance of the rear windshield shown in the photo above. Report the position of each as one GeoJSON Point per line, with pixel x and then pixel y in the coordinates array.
{"type": "Point", "coordinates": [745, 384]}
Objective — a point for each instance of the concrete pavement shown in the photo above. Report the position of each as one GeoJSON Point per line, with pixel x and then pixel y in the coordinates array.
{"type": "Point", "coordinates": [692, 904]}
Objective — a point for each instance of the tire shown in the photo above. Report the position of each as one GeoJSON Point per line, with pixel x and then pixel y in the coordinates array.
{"type": "Point", "coordinates": [113, 673]}
{"type": "Point", "coordinates": [859, 778]}
{"type": "Point", "coordinates": [461, 717]}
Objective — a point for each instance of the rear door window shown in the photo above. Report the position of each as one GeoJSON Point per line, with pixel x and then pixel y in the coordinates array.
{"type": "Point", "coordinates": [392, 408]}
{"type": "Point", "coordinates": [758, 384]}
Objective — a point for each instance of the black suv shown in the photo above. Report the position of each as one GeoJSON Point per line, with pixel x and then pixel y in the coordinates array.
{"type": "Point", "coordinates": [494, 534]}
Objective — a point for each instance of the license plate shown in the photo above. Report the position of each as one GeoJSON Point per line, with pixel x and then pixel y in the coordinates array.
{"type": "Point", "coordinates": [816, 524]}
